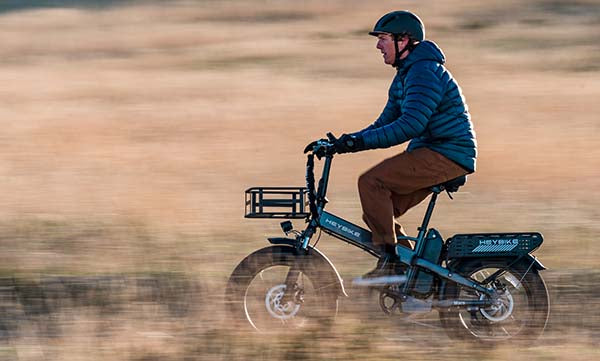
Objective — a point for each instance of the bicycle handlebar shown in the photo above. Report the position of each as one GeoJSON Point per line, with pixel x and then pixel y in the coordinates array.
{"type": "Point", "coordinates": [322, 148]}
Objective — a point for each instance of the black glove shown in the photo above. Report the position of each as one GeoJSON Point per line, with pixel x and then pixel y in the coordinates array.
{"type": "Point", "coordinates": [349, 143]}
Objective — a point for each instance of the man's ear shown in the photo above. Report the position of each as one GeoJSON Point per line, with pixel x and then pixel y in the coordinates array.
{"type": "Point", "coordinates": [402, 42]}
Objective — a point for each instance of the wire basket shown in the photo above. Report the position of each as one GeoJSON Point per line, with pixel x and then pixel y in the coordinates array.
{"type": "Point", "coordinates": [277, 202]}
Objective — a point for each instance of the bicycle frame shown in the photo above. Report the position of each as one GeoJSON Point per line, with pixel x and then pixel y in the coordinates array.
{"type": "Point", "coordinates": [361, 238]}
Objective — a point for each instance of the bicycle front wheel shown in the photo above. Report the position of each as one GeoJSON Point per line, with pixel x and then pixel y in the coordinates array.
{"type": "Point", "coordinates": [257, 293]}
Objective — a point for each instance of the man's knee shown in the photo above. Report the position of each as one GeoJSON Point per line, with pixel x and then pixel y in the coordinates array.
{"type": "Point", "coordinates": [366, 181]}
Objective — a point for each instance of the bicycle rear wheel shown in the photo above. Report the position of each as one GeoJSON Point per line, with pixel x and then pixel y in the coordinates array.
{"type": "Point", "coordinates": [520, 316]}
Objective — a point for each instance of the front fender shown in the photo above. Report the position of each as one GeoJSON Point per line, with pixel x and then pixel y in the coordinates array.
{"type": "Point", "coordinates": [332, 274]}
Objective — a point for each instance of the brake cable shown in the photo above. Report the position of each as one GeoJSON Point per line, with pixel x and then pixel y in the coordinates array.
{"type": "Point", "coordinates": [310, 184]}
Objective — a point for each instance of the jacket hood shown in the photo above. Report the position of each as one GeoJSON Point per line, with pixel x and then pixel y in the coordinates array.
{"type": "Point", "coordinates": [425, 50]}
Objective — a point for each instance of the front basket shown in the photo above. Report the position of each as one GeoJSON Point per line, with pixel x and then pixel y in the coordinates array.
{"type": "Point", "coordinates": [277, 202]}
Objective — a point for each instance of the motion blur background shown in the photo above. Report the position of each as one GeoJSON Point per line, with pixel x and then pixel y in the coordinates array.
{"type": "Point", "coordinates": [130, 129]}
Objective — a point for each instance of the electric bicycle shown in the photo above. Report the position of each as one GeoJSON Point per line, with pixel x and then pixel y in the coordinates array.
{"type": "Point", "coordinates": [485, 286]}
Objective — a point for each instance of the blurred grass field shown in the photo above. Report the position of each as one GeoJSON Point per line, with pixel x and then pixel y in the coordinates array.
{"type": "Point", "coordinates": [131, 129]}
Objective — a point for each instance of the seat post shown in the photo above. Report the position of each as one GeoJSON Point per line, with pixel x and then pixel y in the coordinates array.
{"type": "Point", "coordinates": [427, 218]}
{"type": "Point", "coordinates": [420, 245]}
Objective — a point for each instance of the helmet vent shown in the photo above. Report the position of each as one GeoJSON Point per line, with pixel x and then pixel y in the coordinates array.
{"type": "Point", "coordinates": [389, 20]}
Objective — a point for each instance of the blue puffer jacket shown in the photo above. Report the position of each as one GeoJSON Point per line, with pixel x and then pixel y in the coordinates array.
{"type": "Point", "coordinates": [426, 105]}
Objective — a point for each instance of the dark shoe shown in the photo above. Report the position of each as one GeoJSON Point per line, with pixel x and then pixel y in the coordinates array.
{"type": "Point", "coordinates": [384, 267]}
{"type": "Point", "coordinates": [388, 271]}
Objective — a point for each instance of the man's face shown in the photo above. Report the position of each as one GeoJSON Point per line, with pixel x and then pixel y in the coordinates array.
{"type": "Point", "coordinates": [385, 44]}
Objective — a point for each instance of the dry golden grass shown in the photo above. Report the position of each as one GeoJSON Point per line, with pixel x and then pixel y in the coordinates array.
{"type": "Point", "coordinates": [130, 132]}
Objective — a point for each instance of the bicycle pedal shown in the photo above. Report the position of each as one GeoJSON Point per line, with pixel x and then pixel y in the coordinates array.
{"type": "Point", "coordinates": [379, 281]}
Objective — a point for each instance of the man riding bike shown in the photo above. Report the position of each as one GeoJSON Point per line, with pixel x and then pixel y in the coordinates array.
{"type": "Point", "coordinates": [425, 105]}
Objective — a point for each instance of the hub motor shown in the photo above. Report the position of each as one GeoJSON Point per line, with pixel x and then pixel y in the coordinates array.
{"type": "Point", "coordinates": [501, 309]}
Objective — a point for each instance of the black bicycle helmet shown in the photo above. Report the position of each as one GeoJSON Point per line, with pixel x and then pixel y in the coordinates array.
{"type": "Point", "coordinates": [400, 23]}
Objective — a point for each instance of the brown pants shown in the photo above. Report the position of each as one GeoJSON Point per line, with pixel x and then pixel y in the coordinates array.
{"type": "Point", "coordinates": [399, 183]}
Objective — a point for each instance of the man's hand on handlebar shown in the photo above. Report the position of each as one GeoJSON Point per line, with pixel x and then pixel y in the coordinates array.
{"type": "Point", "coordinates": [348, 143]}
{"type": "Point", "coordinates": [345, 144]}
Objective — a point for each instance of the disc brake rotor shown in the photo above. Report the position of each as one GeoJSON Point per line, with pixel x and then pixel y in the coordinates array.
{"type": "Point", "coordinates": [501, 310]}
{"type": "Point", "coordinates": [277, 309]}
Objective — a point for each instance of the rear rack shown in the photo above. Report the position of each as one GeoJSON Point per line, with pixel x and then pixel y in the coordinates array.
{"type": "Point", "coordinates": [277, 202]}
{"type": "Point", "coordinates": [493, 244]}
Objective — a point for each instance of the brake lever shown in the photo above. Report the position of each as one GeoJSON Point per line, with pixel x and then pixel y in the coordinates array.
{"type": "Point", "coordinates": [322, 149]}
{"type": "Point", "coordinates": [318, 153]}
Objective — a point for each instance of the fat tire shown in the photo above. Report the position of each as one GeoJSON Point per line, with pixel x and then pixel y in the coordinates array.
{"type": "Point", "coordinates": [532, 282]}
{"type": "Point", "coordinates": [324, 282]}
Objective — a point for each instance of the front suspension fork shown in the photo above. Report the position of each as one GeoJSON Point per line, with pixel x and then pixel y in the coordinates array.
{"type": "Point", "coordinates": [291, 283]}
{"type": "Point", "coordinates": [307, 235]}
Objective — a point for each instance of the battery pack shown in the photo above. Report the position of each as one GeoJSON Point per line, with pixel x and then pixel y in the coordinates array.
{"type": "Point", "coordinates": [423, 282]}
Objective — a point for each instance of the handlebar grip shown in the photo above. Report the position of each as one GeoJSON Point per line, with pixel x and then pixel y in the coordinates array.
{"type": "Point", "coordinates": [331, 137]}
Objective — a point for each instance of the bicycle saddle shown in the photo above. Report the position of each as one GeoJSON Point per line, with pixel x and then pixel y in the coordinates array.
{"type": "Point", "coordinates": [453, 184]}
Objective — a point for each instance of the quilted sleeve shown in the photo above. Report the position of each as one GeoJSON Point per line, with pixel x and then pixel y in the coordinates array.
{"type": "Point", "coordinates": [423, 93]}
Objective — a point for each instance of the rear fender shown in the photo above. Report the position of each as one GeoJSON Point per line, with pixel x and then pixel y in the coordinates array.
{"type": "Point", "coordinates": [331, 275]}
{"type": "Point", "coordinates": [527, 261]}
{"type": "Point", "coordinates": [536, 262]}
